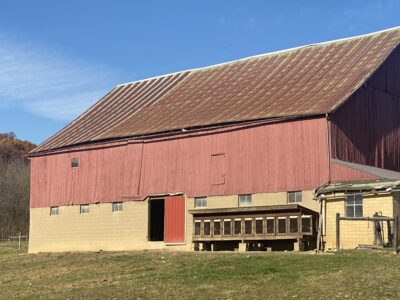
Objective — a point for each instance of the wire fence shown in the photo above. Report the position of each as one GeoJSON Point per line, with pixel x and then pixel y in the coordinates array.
{"type": "Point", "coordinates": [16, 239]}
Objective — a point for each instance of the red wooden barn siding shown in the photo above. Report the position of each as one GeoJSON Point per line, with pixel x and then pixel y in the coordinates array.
{"type": "Point", "coordinates": [366, 129]}
{"type": "Point", "coordinates": [269, 158]}
{"type": "Point", "coordinates": [174, 227]}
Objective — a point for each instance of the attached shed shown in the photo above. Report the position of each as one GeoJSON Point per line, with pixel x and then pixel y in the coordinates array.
{"type": "Point", "coordinates": [263, 131]}
{"type": "Point", "coordinates": [356, 214]}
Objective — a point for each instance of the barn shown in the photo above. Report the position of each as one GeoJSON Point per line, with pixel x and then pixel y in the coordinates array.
{"type": "Point", "coordinates": [254, 154]}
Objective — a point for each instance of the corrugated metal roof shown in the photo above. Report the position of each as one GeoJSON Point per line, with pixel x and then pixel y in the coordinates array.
{"type": "Point", "coordinates": [358, 186]}
{"type": "Point", "coordinates": [378, 172]}
{"type": "Point", "coordinates": [308, 80]}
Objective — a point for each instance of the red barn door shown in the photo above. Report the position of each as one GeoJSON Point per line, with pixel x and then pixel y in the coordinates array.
{"type": "Point", "coordinates": [174, 226]}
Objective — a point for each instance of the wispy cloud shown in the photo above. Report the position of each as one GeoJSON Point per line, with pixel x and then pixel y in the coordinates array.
{"type": "Point", "coordinates": [49, 83]}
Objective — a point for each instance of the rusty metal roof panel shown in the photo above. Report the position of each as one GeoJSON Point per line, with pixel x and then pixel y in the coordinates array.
{"type": "Point", "coordinates": [387, 185]}
{"type": "Point", "coordinates": [378, 172]}
{"type": "Point", "coordinates": [309, 80]}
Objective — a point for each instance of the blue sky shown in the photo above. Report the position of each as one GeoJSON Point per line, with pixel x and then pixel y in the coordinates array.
{"type": "Point", "coordinates": [59, 57]}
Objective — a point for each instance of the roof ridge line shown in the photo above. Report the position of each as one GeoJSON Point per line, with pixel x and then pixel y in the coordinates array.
{"type": "Point", "coordinates": [261, 55]}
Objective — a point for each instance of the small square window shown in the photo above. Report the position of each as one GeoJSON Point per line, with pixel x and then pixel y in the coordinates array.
{"type": "Point", "coordinates": [354, 206]}
{"type": "Point", "coordinates": [84, 209]}
{"type": "Point", "coordinates": [117, 206]}
{"type": "Point", "coordinates": [200, 202]}
{"type": "Point", "coordinates": [245, 200]}
{"type": "Point", "coordinates": [54, 211]}
{"type": "Point", "coordinates": [293, 197]}
{"type": "Point", "coordinates": [74, 162]}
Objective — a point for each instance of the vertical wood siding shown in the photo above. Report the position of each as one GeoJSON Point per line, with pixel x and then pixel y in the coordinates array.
{"type": "Point", "coordinates": [366, 129]}
{"type": "Point", "coordinates": [269, 158]}
{"type": "Point", "coordinates": [218, 169]}
{"type": "Point", "coordinates": [174, 227]}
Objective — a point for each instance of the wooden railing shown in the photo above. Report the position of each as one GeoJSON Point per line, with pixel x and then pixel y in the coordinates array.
{"type": "Point", "coordinates": [395, 220]}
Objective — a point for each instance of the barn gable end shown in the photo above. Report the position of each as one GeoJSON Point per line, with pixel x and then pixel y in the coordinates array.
{"type": "Point", "coordinates": [366, 129]}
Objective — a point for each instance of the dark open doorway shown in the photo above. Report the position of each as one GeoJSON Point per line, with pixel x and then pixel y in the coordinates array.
{"type": "Point", "coordinates": [156, 219]}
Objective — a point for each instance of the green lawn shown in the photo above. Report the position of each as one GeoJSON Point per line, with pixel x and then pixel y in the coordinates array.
{"type": "Point", "coordinates": [166, 275]}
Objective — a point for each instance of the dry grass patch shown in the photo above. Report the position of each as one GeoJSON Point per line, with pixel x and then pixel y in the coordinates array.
{"type": "Point", "coordinates": [171, 275]}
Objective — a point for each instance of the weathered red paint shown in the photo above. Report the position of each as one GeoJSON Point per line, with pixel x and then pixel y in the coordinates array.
{"type": "Point", "coordinates": [274, 157]}
{"type": "Point", "coordinates": [218, 168]}
{"type": "Point", "coordinates": [174, 221]}
{"type": "Point", "coordinates": [366, 129]}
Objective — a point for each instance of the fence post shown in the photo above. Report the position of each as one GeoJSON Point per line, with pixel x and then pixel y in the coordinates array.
{"type": "Point", "coordinates": [19, 241]}
{"type": "Point", "coordinates": [337, 231]}
{"type": "Point", "coordinates": [396, 234]}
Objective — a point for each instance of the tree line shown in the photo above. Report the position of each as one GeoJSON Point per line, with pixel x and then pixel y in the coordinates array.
{"type": "Point", "coordinates": [14, 185]}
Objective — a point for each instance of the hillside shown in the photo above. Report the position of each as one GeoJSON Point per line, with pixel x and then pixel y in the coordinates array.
{"type": "Point", "coordinates": [13, 149]}
{"type": "Point", "coordinates": [14, 185]}
{"type": "Point", "coordinates": [361, 274]}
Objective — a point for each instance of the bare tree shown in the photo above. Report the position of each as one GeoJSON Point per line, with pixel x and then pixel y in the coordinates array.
{"type": "Point", "coordinates": [14, 185]}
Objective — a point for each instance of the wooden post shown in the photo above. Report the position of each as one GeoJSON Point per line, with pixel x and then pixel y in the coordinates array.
{"type": "Point", "coordinates": [319, 233]}
{"type": "Point", "coordinates": [396, 234]}
{"type": "Point", "coordinates": [337, 231]}
{"type": "Point", "coordinates": [375, 229]}
{"type": "Point", "coordinates": [19, 241]}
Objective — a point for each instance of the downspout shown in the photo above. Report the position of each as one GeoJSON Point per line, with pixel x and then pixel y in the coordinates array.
{"type": "Point", "coordinates": [319, 233]}
{"type": "Point", "coordinates": [322, 200]}
{"type": "Point", "coordinates": [321, 224]}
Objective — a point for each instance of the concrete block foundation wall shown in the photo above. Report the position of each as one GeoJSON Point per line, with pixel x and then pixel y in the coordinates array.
{"type": "Point", "coordinates": [353, 233]}
{"type": "Point", "coordinates": [262, 199]}
{"type": "Point", "coordinates": [102, 229]}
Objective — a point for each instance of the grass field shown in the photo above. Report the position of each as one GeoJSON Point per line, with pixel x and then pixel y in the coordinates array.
{"type": "Point", "coordinates": [166, 275]}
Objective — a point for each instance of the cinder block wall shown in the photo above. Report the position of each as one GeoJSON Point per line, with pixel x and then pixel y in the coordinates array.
{"type": "Point", "coordinates": [353, 233]}
{"type": "Point", "coordinates": [101, 229]}
{"type": "Point", "coordinates": [262, 199]}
